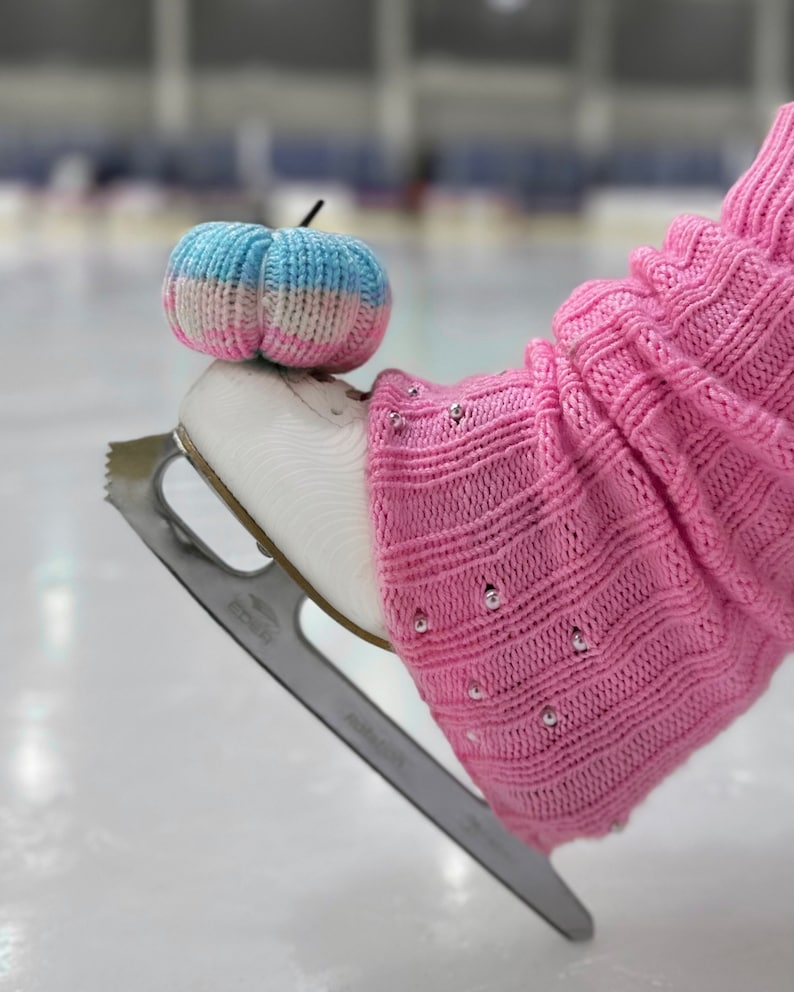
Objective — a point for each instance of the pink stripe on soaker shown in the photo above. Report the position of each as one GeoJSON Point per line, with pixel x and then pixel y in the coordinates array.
{"type": "Point", "coordinates": [337, 355]}
{"type": "Point", "coordinates": [233, 343]}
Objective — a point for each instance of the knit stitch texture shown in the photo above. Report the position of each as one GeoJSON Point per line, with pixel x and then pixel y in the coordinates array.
{"type": "Point", "coordinates": [588, 567]}
{"type": "Point", "coordinates": [299, 297]}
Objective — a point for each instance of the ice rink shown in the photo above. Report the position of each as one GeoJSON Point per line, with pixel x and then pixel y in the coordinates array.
{"type": "Point", "coordinates": [171, 819]}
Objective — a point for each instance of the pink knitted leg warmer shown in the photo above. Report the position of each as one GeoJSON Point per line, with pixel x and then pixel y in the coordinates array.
{"type": "Point", "coordinates": [587, 563]}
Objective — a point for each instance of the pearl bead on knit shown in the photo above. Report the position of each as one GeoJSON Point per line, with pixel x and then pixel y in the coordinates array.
{"type": "Point", "coordinates": [420, 623]}
{"type": "Point", "coordinates": [578, 641]}
{"type": "Point", "coordinates": [475, 692]}
{"type": "Point", "coordinates": [456, 412]}
{"type": "Point", "coordinates": [396, 420]}
{"type": "Point", "coordinates": [549, 717]}
{"type": "Point", "coordinates": [492, 600]}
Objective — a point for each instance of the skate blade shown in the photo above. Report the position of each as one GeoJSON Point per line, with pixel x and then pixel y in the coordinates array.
{"type": "Point", "coordinates": [261, 611]}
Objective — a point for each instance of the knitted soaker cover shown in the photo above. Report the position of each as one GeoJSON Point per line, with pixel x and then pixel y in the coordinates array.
{"type": "Point", "coordinates": [587, 564]}
{"type": "Point", "coordinates": [298, 297]}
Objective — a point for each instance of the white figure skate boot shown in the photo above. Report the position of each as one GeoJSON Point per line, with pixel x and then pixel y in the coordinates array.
{"type": "Point", "coordinates": [286, 451]}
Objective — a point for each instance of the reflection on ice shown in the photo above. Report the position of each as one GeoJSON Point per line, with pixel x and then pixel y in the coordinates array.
{"type": "Point", "coordinates": [456, 867]}
{"type": "Point", "coordinates": [57, 603]}
{"type": "Point", "coordinates": [57, 619]}
{"type": "Point", "coordinates": [37, 769]}
{"type": "Point", "coordinates": [10, 942]}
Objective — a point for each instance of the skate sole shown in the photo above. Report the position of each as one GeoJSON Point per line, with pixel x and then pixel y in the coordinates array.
{"type": "Point", "coordinates": [205, 470]}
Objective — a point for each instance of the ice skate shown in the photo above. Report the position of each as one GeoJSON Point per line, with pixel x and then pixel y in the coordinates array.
{"type": "Point", "coordinates": [585, 563]}
{"type": "Point", "coordinates": [286, 451]}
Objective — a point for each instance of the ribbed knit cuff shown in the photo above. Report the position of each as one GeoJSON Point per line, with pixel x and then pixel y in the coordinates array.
{"type": "Point", "coordinates": [760, 207]}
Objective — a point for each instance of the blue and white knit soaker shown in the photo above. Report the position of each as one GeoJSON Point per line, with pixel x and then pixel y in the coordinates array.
{"type": "Point", "coordinates": [299, 297]}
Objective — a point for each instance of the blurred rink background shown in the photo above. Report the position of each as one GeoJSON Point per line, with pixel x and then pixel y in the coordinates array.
{"type": "Point", "coordinates": [169, 818]}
